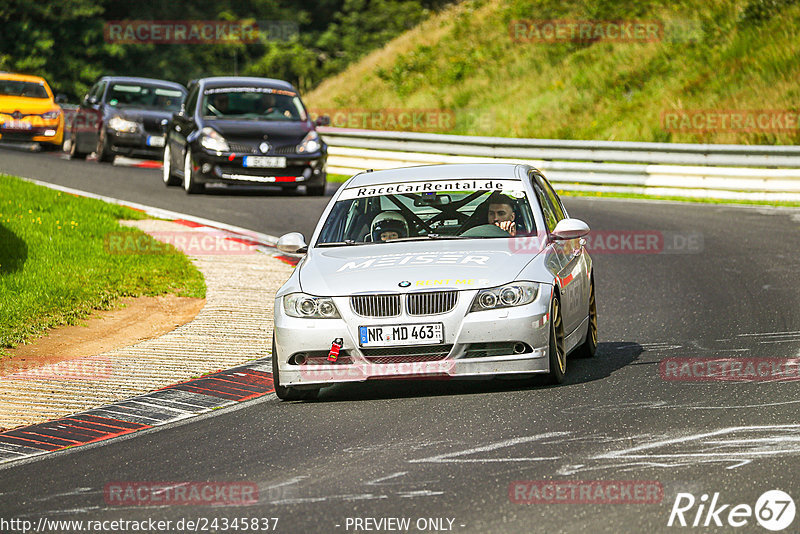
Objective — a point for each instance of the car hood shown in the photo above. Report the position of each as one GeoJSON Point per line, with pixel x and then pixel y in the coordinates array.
{"type": "Point", "coordinates": [274, 130]}
{"type": "Point", "coordinates": [462, 264]}
{"type": "Point", "coordinates": [10, 104]}
{"type": "Point", "coordinates": [141, 115]}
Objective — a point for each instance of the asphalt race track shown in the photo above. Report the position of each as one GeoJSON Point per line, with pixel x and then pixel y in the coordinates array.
{"type": "Point", "coordinates": [451, 450]}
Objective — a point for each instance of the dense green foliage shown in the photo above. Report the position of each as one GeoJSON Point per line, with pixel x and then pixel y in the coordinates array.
{"type": "Point", "coordinates": [56, 265]}
{"type": "Point", "coordinates": [719, 55]}
{"type": "Point", "coordinates": [64, 40]}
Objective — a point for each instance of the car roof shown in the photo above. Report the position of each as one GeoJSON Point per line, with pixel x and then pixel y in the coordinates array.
{"type": "Point", "coordinates": [136, 79]}
{"type": "Point", "coordinates": [21, 77]}
{"type": "Point", "coordinates": [228, 81]}
{"type": "Point", "coordinates": [506, 171]}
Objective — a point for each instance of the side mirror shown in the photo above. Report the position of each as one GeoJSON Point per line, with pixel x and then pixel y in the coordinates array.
{"type": "Point", "coordinates": [292, 243]}
{"type": "Point", "coordinates": [61, 99]}
{"type": "Point", "coordinates": [323, 120]}
{"type": "Point", "coordinates": [569, 229]}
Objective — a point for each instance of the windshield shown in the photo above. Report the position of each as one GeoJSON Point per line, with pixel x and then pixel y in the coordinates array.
{"type": "Point", "coordinates": [27, 89]}
{"type": "Point", "coordinates": [144, 97]}
{"type": "Point", "coordinates": [447, 209]}
{"type": "Point", "coordinates": [253, 103]}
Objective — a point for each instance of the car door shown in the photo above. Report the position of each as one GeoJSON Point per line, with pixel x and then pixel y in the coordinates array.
{"type": "Point", "coordinates": [181, 127]}
{"type": "Point", "coordinates": [84, 120]}
{"type": "Point", "coordinates": [577, 251]}
{"type": "Point", "coordinates": [94, 114]}
{"type": "Point", "coordinates": [564, 257]}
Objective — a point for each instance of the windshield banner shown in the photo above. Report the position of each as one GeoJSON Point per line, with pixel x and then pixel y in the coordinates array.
{"type": "Point", "coordinates": [513, 187]}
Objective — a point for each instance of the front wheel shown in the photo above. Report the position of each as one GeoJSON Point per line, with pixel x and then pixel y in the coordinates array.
{"type": "Point", "coordinates": [316, 190]}
{"type": "Point", "coordinates": [168, 176]}
{"type": "Point", "coordinates": [104, 154]}
{"type": "Point", "coordinates": [190, 185]}
{"type": "Point", "coordinates": [288, 393]}
{"type": "Point", "coordinates": [73, 149]}
{"type": "Point", "coordinates": [589, 347]}
{"type": "Point", "coordinates": [557, 354]}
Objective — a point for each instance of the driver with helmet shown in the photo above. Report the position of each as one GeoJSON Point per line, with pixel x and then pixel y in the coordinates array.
{"type": "Point", "coordinates": [387, 226]}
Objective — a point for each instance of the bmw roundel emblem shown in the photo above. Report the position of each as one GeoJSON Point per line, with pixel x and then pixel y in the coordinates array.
{"type": "Point", "coordinates": [264, 148]}
{"type": "Point", "coordinates": [404, 283]}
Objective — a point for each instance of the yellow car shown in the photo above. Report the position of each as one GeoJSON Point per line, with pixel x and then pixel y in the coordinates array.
{"type": "Point", "coordinates": [28, 111]}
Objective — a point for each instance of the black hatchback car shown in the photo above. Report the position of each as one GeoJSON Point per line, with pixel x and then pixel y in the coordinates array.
{"type": "Point", "coordinates": [124, 115]}
{"type": "Point", "coordinates": [238, 130]}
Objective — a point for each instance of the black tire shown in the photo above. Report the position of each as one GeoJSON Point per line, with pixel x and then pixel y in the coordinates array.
{"type": "Point", "coordinates": [73, 149]}
{"type": "Point", "coordinates": [167, 175]}
{"type": "Point", "coordinates": [317, 190]}
{"type": "Point", "coordinates": [104, 154]}
{"type": "Point", "coordinates": [288, 393]}
{"type": "Point", "coordinates": [589, 347]}
{"type": "Point", "coordinates": [49, 147]}
{"type": "Point", "coordinates": [556, 353]}
{"type": "Point", "coordinates": [190, 185]}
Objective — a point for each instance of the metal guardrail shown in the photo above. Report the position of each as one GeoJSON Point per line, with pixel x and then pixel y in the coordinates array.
{"type": "Point", "coordinates": [694, 170]}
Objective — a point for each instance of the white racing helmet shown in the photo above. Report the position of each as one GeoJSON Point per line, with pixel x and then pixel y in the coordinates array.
{"type": "Point", "coordinates": [388, 221]}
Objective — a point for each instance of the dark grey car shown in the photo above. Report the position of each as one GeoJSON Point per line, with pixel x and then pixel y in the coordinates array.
{"type": "Point", "coordinates": [126, 116]}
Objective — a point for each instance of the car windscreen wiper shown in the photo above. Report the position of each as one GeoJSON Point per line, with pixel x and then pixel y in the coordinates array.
{"type": "Point", "coordinates": [345, 243]}
{"type": "Point", "coordinates": [432, 236]}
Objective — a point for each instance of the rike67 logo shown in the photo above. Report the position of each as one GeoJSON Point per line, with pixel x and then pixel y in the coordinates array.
{"type": "Point", "coordinates": [774, 510]}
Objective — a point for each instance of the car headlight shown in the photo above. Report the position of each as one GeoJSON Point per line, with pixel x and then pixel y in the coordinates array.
{"type": "Point", "coordinates": [123, 125]}
{"type": "Point", "coordinates": [212, 140]}
{"type": "Point", "coordinates": [310, 143]}
{"type": "Point", "coordinates": [507, 296]}
{"type": "Point", "coordinates": [310, 307]}
{"type": "Point", "coordinates": [50, 115]}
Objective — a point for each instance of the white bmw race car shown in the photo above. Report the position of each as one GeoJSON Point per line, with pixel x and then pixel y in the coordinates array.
{"type": "Point", "coordinates": [459, 271]}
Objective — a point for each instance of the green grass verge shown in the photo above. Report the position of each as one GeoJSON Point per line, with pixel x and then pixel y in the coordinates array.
{"type": "Point", "coordinates": [338, 178]}
{"type": "Point", "coordinates": [55, 267]}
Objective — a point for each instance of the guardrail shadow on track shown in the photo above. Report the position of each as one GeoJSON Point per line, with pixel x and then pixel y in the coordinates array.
{"type": "Point", "coordinates": [610, 357]}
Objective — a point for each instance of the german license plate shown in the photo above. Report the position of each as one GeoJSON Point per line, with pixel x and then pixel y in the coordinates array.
{"type": "Point", "coordinates": [155, 140]}
{"type": "Point", "coordinates": [17, 125]}
{"type": "Point", "coordinates": [411, 334]}
{"type": "Point", "coordinates": [264, 161]}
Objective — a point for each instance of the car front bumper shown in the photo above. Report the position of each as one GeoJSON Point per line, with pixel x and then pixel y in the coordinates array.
{"type": "Point", "coordinates": [135, 144]}
{"type": "Point", "coordinates": [476, 345]}
{"type": "Point", "coordinates": [229, 169]}
{"type": "Point", "coordinates": [47, 131]}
